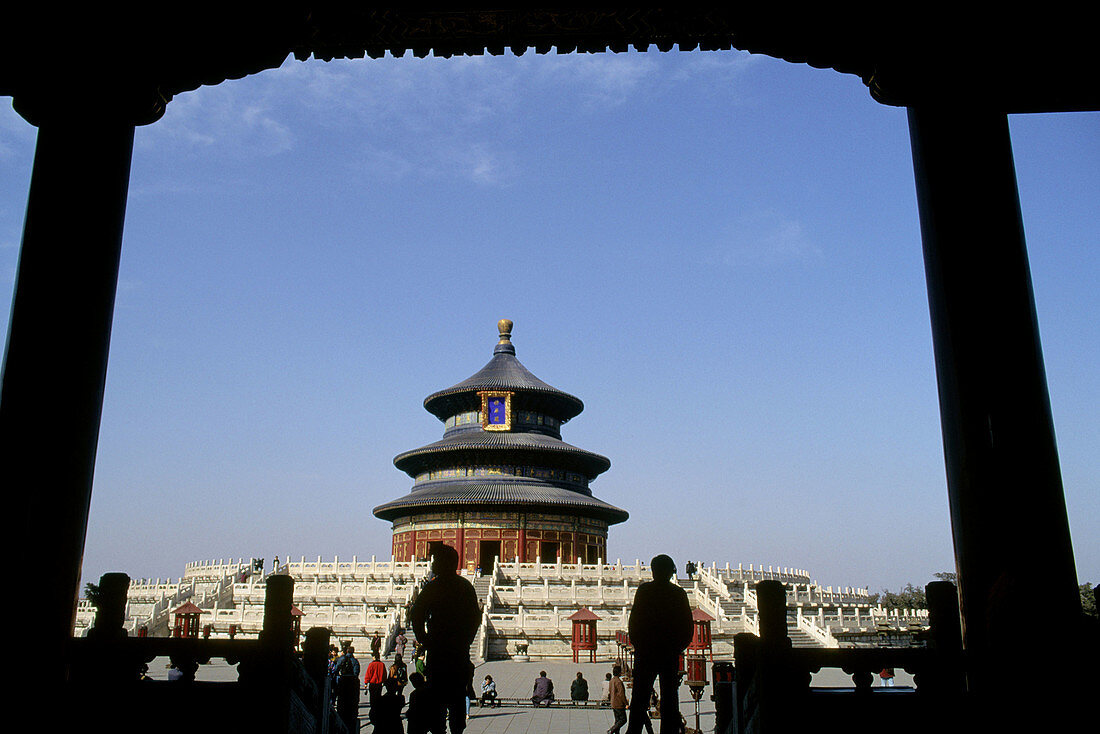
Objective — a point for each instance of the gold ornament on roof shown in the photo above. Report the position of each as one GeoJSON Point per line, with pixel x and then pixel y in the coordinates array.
{"type": "Point", "coordinates": [504, 326]}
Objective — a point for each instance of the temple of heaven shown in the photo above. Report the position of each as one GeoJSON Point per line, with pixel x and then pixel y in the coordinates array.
{"type": "Point", "coordinates": [501, 482]}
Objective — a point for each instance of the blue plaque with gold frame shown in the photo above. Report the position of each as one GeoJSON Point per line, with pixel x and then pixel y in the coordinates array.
{"type": "Point", "coordinates": [496, 410]}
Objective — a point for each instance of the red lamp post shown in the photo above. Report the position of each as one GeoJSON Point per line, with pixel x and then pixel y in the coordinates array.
{"type": "Point", "coordinates": [701, 642]}
{"type": "Point", "coordinates": [698, 650]}
{"type": "Point", "coordinates": [584, 633]}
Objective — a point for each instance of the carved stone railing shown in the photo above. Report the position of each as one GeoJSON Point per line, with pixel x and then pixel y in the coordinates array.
{"type": "Point", "coordinates": [818, 633]}
{"type": "Point", "coordinates": [515, 569]}
{"type": "Point", "coordinates": [356, 568]}
{"type": "Point", "coordinates": [714, 582]}
{"type": "Point", "coordinates": [754, 573]}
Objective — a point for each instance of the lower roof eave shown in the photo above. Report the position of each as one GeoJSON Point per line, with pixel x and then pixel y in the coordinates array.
{"type": "Point", "coordinates": [391, 512]}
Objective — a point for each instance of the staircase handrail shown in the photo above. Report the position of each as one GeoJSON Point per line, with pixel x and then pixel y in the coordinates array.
{"type": "Point", "coordinates": [713, 581]}
{"type": "Point", "coordinates": [808, 624]}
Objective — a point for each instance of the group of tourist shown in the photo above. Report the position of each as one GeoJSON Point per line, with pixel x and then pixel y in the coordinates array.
{"type": "Point", "coordinates": [543, 692]}
{"type": "Point", "coordinates": [385, 687]}
{"type": "Point", "coordinates": [445, 618]}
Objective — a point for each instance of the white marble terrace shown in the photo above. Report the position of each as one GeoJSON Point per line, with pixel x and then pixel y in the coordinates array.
{"type": "Point", "coordinates": [524, 604]}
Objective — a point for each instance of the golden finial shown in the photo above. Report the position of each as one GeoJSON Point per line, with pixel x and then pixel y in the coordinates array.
{"type": "Point", "coordinates": [505, 328]}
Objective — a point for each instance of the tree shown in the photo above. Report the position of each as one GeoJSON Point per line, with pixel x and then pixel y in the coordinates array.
{"type": "Point", "coordinates": [91, 593]}
{"type": "Point", "coordinates": [910, 597]}
{"type": "Point", "coordinates": [1088, 600]}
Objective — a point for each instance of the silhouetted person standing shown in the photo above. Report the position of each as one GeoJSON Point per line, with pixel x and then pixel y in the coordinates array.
{"type": "Point", "coordinates": [660, 628]}
{"type": "Point", "coordinates": [445, 617]}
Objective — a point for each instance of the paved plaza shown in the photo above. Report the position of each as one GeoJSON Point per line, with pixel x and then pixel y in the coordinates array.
{"type": "Point", "coordinates": [515, 680]}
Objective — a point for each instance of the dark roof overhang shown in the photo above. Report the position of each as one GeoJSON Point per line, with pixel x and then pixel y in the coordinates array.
{"type": "Point", "coordinates": [492, 447]}
{"type": "Point", "coordinates": [504, 372]}
{"type": "Point", "coordinates": [506, 495]}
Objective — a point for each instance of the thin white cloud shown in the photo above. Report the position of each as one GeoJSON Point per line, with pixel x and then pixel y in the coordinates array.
{"type": "Point", "coordinates": [230, 116]}
{"type": "Point", "coordinates": [598, 80]}
{"type": "Point", "coordinates": [765, 240]}
{"type": "Point", "coordinates": [430, 117]}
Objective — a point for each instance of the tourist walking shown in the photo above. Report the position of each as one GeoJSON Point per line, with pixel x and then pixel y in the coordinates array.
{"type": "Point", "coordinates": [374, 679]}
{"type": "Point", "coordinates": [346, 683]}
{"type": "Point", "coordinates": [386, 715]}
{"type": "Point", "coordinates": [399, 672]}
{"type": "Point", "coordinates": [400, 642]}
{"type": "Point", "coordinates": [617, 698]}
{"type": "Point", "coordinates": [543, 692]}
{"type": "Point", "coordinates": [605, 691]}
{"type": "Point", "coordinates": [445, 617]}
{"type": "Point", "coordinates": [424, 712]}
{"type": "Point", "coordinates": [418, 662]}
{"type": "Point", "coordinates": [886, 676]}
{"type": "Point", "coordinates": [376, 645]}
{"type": "Point", "coordinates": [655, 704]}
{"type": "Point", "coordinates": [471, 694]}
{"type": "Point", "coordinates": [660, 627]}
{"type": "Point", "coordinates": [578, 690]}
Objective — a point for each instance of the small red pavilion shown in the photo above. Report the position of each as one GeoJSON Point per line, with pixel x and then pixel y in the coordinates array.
{"type": "Point", "coordinates": [701, 643]}
{"type": "Point", "coordinates": [187, 621]}
{"type": "Point", "coordinates": [584, 633]}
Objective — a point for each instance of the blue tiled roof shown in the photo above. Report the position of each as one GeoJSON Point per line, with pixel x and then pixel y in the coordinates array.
{"type": "Point", "coordinates": [513, 492]}
{"type": "Point", "coordinates": [489, 445]}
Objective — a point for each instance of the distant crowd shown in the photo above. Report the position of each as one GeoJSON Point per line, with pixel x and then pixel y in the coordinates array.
{"type": "Point", "coordinates": [444, 619]}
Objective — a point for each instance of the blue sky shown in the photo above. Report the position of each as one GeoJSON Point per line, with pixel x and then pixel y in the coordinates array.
{"type": "Point", "coordinates": [719, 253]}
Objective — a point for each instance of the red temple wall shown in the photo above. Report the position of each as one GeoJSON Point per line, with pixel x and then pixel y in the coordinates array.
{"type": "Point", "coordinates": [588, 543]}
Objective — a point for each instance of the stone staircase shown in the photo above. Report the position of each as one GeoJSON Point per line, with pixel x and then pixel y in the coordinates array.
{"type": "Point", "coordinates": [798, 637]}
{"type": "Point", "coordinates": [734, 607]}
{"type": "Point", "coordinates": [481, 588]}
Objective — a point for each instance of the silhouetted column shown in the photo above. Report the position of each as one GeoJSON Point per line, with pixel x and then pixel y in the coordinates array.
{"type": "Point", "coordinates": [771, 600]}
{"type": "Point", "coordinates": [278, 600]}
{"type": "Point", "coordinates": [1008, 513]}
{"type": "Point", "coordinates": [56, 356]}
{"type": "Point", "coordinates": [111, 608]}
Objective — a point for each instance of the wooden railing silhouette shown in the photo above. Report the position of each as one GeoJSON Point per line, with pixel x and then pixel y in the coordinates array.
{"type": "Point", "coordinates": [276, 689]}
{"type": "Point", "coordinates": [773, 691]}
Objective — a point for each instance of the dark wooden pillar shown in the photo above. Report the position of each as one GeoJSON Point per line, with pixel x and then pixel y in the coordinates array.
{"type": "Point", "coordinates": [55, 361]}
{"type": "Point", "coordinates": [1008, 512]}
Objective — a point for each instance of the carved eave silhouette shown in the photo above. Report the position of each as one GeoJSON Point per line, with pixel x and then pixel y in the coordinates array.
{"type": "Point", "coordinates": [136, 62]}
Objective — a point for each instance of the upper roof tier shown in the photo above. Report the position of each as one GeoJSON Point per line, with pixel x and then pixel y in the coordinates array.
{"type": "Point", "coordinates": [504, 372]}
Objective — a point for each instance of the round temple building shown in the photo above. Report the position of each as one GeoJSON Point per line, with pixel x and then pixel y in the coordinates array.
{"type": "Point", "coordinates": [501, 482]}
